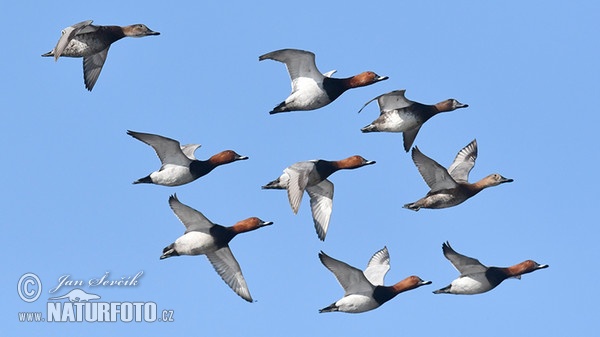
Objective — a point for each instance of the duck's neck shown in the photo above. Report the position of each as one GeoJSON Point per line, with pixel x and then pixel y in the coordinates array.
{"type": "Point", "coordinates": [203, 166]}
{"type": "Point", "coordinates": [115, 32]}
{"type": "Point", "coordinates": [496, 275]}
{"type": "Point", "coordinates": [222, 234]}
{"type": "Point", "coordinates": [382, 294]}
{"type": "Point", "coordinates": [475, 187]}
{"type": "Point", "coordinates": [442, 106]}
{"type": "Point", "coordinates": [326, 168]}
{"type": "Point", "coordinates": [429, 110]}
{"type": "Point", "coordinates": [334, 87]}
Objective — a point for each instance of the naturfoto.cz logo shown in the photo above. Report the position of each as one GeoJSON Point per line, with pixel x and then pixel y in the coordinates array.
{"type": "Point", "coordinates": [78, 305]}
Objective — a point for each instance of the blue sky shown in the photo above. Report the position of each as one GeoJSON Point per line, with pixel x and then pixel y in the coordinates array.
{"type": "Point", "coordinates": [529, 72]}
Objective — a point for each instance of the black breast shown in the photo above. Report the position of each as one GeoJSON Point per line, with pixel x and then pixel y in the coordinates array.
{"type": "Point", "coordinates": [222, 235]}
{"type": "Point", "coordinates": [495, 276]}
{"type": "Point", "coordinates": [383, 294]}
{"type": "Point", "coordinates": [199, 168]}
{"type": "Point", "coordinates": [334, 87]}
{"type": "Point", "coordinates": [324, 168]}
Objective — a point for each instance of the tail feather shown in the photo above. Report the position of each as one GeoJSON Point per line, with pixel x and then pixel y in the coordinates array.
{"type": "Point", "coordinates": [280, 108]}
{"type": "Point", "coordinates": [445, 290]}
{"type": "Point", "coordinates": [169, 251]}
{"type": "Point", "coordinates": [145, 180]}
{"type": "Point", "coordinates": [330, 308]}
{"type": "Point", "coordinates": [412, 206]}
{"type": "Point", "coordinates": [274, 185]}
{"type": "Point", "coordinates": [369, 128]}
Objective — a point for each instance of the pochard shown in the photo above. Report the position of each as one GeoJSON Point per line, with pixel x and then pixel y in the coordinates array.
{"type": "Point", "coordinates": [311, 89]}
{"type": "Point", "coordinates": [92, 43]}
{"type": "Point", "coordinates": [312, 177]}
{"type": "Point", "coordinates": [398, 114]}
{"type": "Point", "coordinates": [179, 165]}
{"type": "Point", "coordinates": [364, 291]}
{"type": "Point", "coordinates": [475, 278]}
{"type": "Point", "coordinates": [202, 237]}
{"type": "Point", "coordinates": [451, 187]}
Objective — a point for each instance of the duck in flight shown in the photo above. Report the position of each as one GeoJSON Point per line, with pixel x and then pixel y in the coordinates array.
{"type": "Point", "coordinates": [451, 187]}
{"type": "Point", "coordinates": [398, 114]}
{"type": "Point", "coordinates": [202, 237]}
{"type": "Point", "coordinates": [311, 89]}
{"type": "Point", "coordinates": [92, 43]}
{"type": "Point", "coordinates": [475, 278]}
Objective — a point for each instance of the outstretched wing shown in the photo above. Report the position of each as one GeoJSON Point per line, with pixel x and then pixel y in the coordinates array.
{"type": "Point", "coordinates": [229, 270]}
{"type": "Point", "coordinates": [409, 137]}
{"type": "Point", "coordinates": [298, 179]}
{"type": "Point", "coordinates": [189, 149]}
{"type": "Point", "coordinates": [392, 100]}
{"type": "Point", "coordinates": [464, 264]}
{"type": "Point", "coordinates": [92, 66]}
{"type": "Point", "coordinates": [321, 204]}
{"type": "Point", "coordinates": [189, 217]}
{"type": "Point", "coordinates": [378, 266]}
{"type": "Point", "coordinates": [168, 150]}
{"type": "Point", "coordinates": [434, 174]}
{"type": "Point", "coordinates": [464, 162]}
{"type": "Point", "coordinates": [299, 63]}
{"type": "Point", "coordinates": [351, 279]}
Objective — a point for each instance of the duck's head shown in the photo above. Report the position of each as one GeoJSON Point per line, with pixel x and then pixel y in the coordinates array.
{"type": "Point", "coordinates": [495, 179]}
{"type": "Point", "coordinates": [138, 30]}
{"type": "Point", "coordinates": [450, 105]}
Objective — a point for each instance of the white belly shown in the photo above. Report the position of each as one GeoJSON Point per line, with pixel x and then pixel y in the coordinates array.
{"type": "Point", "coordinates": [469, 285]}
{"type": "Point", "coordinates": [195, 243]}
{"type": "Point", "coordinates": [356, 303]}
{"type": "Point", "coordinates": [396, 121]}
{"type": "Point", "coordinates": [172, 175]}
{"type": "Point", "coordinates": [308, 95]}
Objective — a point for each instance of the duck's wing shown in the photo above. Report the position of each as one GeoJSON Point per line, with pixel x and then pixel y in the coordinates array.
{"type": "Point", "coordinates": [229, 269]}
{"type": "Point", "coordinates": [330, 73]}
{"type": "Point", "coordinates": [92, 66]}
{"type": "Point", "coordinates": [193, 220]}
{"type": "Point", "coordinates": [378, 266]}
{"type": "Point", "coordinates": [298, 179]}
{"type": "Point", "coordinates": [189, 149]}
{"type": "Point", "coordinates": [321, 204]}
{"type": "Point", "coordinates": [300, 65]}
{"type": "Point", "coordinates": [434, 174]}
{"type": "Point", "coordinates": [353, 280]}
{"type": "Point", "coordinates": [168, 150]}
{"type": "Point", "coordinates": [409, 136]}
{"type": "Point", "coordinates": [464, 264]}
{"type": "Point", "coordinates": [390, 101]}
{"type": "Point", "coordinates": [464, 162]}
{"type": "Point", "coordinates": [68, 34]}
